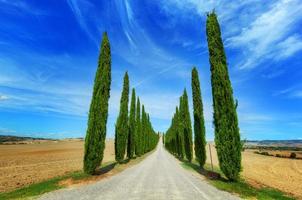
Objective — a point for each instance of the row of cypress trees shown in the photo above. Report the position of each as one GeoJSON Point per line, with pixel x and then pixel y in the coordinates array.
{"type": "Point", "coordinates": [134, 134]}
{"type": "Point", "coordinates": [178, 138]}
{"type": "Point", "coordinates": [227, 137]}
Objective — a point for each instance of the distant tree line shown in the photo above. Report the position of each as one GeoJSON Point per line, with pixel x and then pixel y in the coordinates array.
{"type": "Point", "coordinates": [178, 138]}
{"type": "Point", "coordinates": [134, 133]}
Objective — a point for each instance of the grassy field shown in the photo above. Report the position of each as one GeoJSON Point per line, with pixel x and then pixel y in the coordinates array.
{"type": "Point", "coordinates": [25, 164]}
{"type": "Point", "coordinates": [281, 173]}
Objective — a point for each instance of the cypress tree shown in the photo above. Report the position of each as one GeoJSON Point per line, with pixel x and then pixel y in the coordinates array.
{"type": "Point", "coordinates": [199, 127]}
{"type": "Point", "coordinates": [98, 112]}
{"type": "Point", "coordinates": [121, 127]}
{"type": "Point", "coordinates": [143, 130]}
{"type": "Point", "coordinates": [132, 125]}
{"type": "Point", "coordinates": [138, 129]}
{"type": "Point", "coordinates": [187, 127]}
{"type": "Point", "coordinates": [179, 132]}
{"type": "Point", "coordinates": [227, 137]}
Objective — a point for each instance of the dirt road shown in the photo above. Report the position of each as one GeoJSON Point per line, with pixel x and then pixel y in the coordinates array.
{"type": "Point", "coordinates": [159, 176]}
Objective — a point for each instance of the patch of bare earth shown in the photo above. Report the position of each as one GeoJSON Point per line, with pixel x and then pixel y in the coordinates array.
{"type": "Point", "coordinates": [25, 164]}
{"type": "Point", "coordinates": [281, 173]}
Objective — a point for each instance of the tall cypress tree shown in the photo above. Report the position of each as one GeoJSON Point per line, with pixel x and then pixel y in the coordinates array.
{"type": "Point", "coordinates": [187, 127]}
{"type": "Point", "coordinates": [98, 113]}
{"type": "Point", "coordinates": [121, 127]}
{"type": "Point", "coordinates": [132, 125]}
{"type": "Point", "coordinates": [138, 129]}
{"type": "Point", "coordinates": [227, 137]}
{"type": "Point", "coordinates": [199, 127]}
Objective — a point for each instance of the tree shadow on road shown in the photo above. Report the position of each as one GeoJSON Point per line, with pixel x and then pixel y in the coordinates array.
{"type": "Point", "coordinates": [105, 169]}
{"type": "Point", "coordinates": [207, 173]}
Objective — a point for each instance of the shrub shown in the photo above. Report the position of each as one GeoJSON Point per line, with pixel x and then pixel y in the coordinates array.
{"type": "Point", "coordinates": [293, 155]}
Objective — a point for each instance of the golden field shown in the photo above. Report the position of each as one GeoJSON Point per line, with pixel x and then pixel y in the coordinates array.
{"type": "Point", "coordinates": [281, 173]}
{"type": "Point", "coordinates": [24, 164]}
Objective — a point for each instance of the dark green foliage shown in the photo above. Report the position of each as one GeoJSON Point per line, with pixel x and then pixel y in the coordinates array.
{"type": "Point", "coordinates": [174, 137]}
{"type": "Point", "coordinates": [187, 127]}
{"type": "Point", "coordinates": [178, 125]}
{"type": "Point", "coordinates": [132, 125]}
{"type": "Point", "coordinates": [121, 127]}
{"type": "Point", "coordinates": [227, 137]}
{"type": "Point", "coordinates": [293, 155]}
{"type": "Point", "coordinates": [148, 137]}
{"type": "Point", "coordinates": [163, 138]}
{"type": "Point", "coordinates": [143, 125]}
{"type": "Point", "coordinates": [138, 134]}
{"type": "Point", "coordinates": [199, 127]}
{"type": "Point", "coordinates": [98, 112]}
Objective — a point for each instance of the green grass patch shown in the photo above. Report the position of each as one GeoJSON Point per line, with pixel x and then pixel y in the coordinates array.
{"type": "Point", "coordinates": [34, 189]}
{"type": "Point", "coordinates": [242, 188]}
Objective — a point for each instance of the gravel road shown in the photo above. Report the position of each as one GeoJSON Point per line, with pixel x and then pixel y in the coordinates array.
{"type": "Point", "coordinates": [159, 176]}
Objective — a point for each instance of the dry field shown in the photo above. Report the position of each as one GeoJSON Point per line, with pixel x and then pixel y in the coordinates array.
{"type": "Point", "coordinates": [24, 164]}
{"type": "Point", "coordinates": [280, 173]}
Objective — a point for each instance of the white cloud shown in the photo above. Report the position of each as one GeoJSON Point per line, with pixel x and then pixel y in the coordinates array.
{"type": "Point", "coordinates": [3, 97]}
{"type": "Point", "coordinates": [268, 37]}
{"type": "Point", "coordinates": [289, 46]}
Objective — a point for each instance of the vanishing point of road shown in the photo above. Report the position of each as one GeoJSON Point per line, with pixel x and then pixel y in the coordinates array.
{"type": "Point", "coordinates": [158, 177]}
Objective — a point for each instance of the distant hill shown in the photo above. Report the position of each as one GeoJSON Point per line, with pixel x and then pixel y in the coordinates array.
{"type": "Point", "coordinates": [10, 138]}
{"type": "Point", "coordinates": [274, 144]}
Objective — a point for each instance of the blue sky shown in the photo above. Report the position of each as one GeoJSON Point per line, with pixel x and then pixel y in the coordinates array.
{"type": "Point", "coordinates": [49, 51]}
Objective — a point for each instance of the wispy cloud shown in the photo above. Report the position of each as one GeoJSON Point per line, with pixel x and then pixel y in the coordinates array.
{"type": "Point", "coordinates": [19, 7]}
{"type": "Point", "coordinates": [76, 7]}
{"type": "Point", "coordinates": [291, 92]}
{"type": "Point", "coordinates": [3, 97]}
{"type": "Point", "coordinates": [5, 131]}
{"type": "Point", "coordinates": [38, 89]}
{"type": "Point", "coordinates": [270, 35]}
{"type": "Point", "coordinates": [141, 44]}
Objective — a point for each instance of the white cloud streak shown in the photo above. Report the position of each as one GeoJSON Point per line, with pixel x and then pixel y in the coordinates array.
{"type": "Point", "coordinates": [75, 6]}
{"type": "Point", "coordinates": [269, 36]}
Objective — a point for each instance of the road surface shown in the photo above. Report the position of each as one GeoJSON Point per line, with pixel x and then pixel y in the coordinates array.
{"type": "Point", "coordinates": [159, 176]}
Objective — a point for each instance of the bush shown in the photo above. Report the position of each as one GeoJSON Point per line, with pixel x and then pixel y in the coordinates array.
{"type": "Point", "coordinates": [293, 155]}
{"type": "Point", "coordinates": [264, 153]}
{"type": "Point", "coordinates": [278, 155]}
